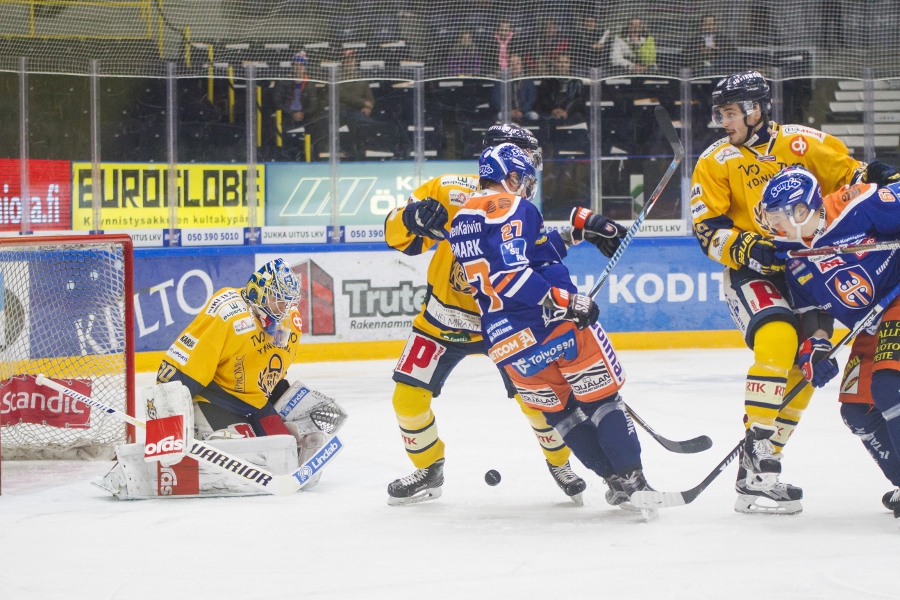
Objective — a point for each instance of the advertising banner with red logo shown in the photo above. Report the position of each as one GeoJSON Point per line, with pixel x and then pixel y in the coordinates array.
{"type": "Point", "coordinates": [50, 188]}
{"type": "Point", "coordinates": [22, 400]}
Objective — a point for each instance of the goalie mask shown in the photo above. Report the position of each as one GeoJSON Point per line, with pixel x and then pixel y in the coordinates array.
{"type": "Point", "coordinates": [508, 165]}
{"type": "Point", "coordinates": [272, 292]}
{"type": "Point", "coordinates": [791, 201]}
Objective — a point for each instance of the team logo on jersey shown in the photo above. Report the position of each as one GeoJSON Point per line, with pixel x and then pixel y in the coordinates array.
{"type": "Point", "coordinates": [852, 286]}
{"type": "Point", "coordinates": [513, 252]}
{"type": "Point", "coordinates": [458, 198]}
{"type": "Point", "coordinates": [272, 374]}
{"type": "Point", "coordinates": [759, 215]}
{"type": "Point", "coordinates": [727, 153]}
{"type": "Point", "coordinates": [458, 279]}
{"type": "Point", "coordinates": [244, 325]}
{"type": "Point", "coordinates": [798, 145]}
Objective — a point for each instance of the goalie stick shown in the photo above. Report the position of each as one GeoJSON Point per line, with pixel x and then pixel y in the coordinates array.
{"type": "Point", "coordinates": [651, 499]}
{"type": "Point", "coordinates": [668, 129]}
{"type": "Point", "coordinates": [279, 485]}
{"type": "Point", "coordinates": [849, 249]}
{"type": "Point", "coordinates": [691, 446]}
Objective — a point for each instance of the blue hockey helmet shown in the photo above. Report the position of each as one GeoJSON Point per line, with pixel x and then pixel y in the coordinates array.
{"type": "Point", "coordinates": [790, 200]}
{"type": "Point", "coordinates": [273, 291]}
{"type": "Point", "coordinates": [510, 166]}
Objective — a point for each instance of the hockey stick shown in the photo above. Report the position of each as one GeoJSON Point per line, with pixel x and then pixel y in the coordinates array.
{"type": "Point", "coordinates": [279, 485]}
{"type": "Point", "coordinates": [851, 249]}
{"type": "Point", "coordinates": [665, 123]}
{"type": "Point", "coordinates": [691, 446]}
{"type": "Point", "coordinates": [650, 499]}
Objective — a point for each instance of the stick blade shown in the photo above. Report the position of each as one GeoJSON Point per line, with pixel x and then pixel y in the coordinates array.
{"type": "Point", "coordinates": [692, 446]}
{"type": "Point", "coordinates": [668, 129]}
{"type": "Point", "coordinates": [653, 499]}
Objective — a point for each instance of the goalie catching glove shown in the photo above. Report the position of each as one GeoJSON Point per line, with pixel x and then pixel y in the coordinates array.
{"type": "Point", "coordinates": [816, 368]}
{"type": "Point", "coordinates": [426, 218]}
{"type": "Point", "coordinates": [562, 305]}
{"type": "Point", "coordinates": [754, 251]}
{"type": "Point", "coordinates": [596, 229]}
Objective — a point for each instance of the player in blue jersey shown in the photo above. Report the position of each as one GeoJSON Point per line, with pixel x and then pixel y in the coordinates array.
{"type": "Point", "coordinates": [847, 286]}
{"type": "Point", "coordinates": [539, 330]}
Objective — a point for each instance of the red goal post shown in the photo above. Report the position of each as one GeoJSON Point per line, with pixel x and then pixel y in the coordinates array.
{"type": "Point", "coordinates": [66, 310]}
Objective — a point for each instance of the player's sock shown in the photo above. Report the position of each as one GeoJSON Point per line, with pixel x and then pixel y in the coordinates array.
{"type": "Point", "coordinates": [418, 426]}
{"type": "Point", "coordinates": [580, 436]}
{"type": "Point", "coordinates": [774, 349]}
{"type": "Point", "coordinates": [616, 434]}
{"type": "Point", "coordinates": [552, 445]}
{"type": "Point", "coordinates": [866, 422]}
{"type": "Point", "coordinates": [789, 416]}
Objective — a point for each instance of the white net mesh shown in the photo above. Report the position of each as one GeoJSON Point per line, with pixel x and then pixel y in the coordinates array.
{"type": "Point", "coordinates": [62, 314]}
{"type": "Point", "coordinates": [802, 38]}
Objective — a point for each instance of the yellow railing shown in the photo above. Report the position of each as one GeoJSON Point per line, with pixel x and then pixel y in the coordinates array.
{"type": "Point", "coordinates": [144, 6]}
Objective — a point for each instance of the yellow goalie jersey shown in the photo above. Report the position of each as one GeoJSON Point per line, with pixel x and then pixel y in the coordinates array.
{"type": "Point", "coordinates": [728, 181]}
{"type": "Point", "coordinates": [449, 311]}
{"type": "Point", "coordinates": [225, 357]}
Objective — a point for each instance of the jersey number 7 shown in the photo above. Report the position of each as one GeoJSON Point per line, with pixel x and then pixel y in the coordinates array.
{"type": "Point", "coordinates": [478, 273]}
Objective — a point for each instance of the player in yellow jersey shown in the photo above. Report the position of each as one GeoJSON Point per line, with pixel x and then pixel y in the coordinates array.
{"type": "Point", "coordinates": [447, 329]}
{"type": "Point", "coordinates": [234, 355]}
{"type": "Point", "coordinates": [726, 189]}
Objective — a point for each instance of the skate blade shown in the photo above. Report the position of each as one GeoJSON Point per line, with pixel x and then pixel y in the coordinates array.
{"type": "Point", "coordinates": [424, 496]}
{"type": "Point", "coordinates": [750, 505]}
{"type": "Point", "coordinates": [578, 499]}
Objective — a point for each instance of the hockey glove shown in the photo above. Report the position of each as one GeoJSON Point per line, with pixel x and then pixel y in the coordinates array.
{"type": "Point", "coordinates": [754, 251]}
{"type": "Point", "coordinates": [426, 218]}
{"type": "Point", "coordinates": [816, 369]}
{"type": "Point", "coordinates": [881, 174]}
{"type": "Point", "coordinates": [596, 229]}
{"type": "Point", "coordinates": [578, 308]}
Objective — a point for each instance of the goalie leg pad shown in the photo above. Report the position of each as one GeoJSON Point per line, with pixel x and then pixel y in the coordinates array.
{"type": "Point", "coordinates": [134, 479]}
{"type": "Point", "coordinates": [170, 424]}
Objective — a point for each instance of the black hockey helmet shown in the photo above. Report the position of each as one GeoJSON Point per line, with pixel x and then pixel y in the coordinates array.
{"type": "Point", "coordinates": [507, 133]}
{"type": "Point", "coordinates": [743, 88]}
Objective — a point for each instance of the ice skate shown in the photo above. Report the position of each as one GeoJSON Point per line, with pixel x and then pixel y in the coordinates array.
{"type": "Point", "coordinates": [779, 499]}
{"type": "Point", "coordinates": [616, 495]}
{"type": "Point", "coordinates": [891, 501]}
{"type": "Point", "coordinates": [423, 485]}
{"type": "Point", "coordinates": [570, 483]}
{"type": "Point", "coordinates": [758, 458]}
{"type": "Point", "coordinates": [634, 482]}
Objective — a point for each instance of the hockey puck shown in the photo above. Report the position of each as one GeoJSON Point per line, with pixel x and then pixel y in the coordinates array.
{"type": "Point", "coordinates": [492, 477]}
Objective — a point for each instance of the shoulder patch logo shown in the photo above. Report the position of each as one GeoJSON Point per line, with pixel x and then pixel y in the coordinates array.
{"type": "Point", "coordinates": [727, 153]}
{"type": "Point", "coordinates": [187, 340]}
{"type": "Point", "coordinates": [798, 145]}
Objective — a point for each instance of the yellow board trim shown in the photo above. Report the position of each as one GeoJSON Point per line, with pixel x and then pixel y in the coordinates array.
{"type": "Point", "coordinates": [640, 340]}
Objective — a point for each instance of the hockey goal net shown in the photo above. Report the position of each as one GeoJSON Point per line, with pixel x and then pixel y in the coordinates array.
{"type": "Point", "coordinates": [65, 311]}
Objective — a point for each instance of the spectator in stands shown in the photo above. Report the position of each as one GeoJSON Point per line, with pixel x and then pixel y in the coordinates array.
{"type": "Point", "coordinates": [710, 50]}
{"type": "Point", "coordinates": [522, 94]}
{"type": "Point", "coordinates": [633, 50]}
{"type": "Point", "coordinates": [466, 59]}
{"type": "Point", "coordinates": [356, 98]}
{"type": "Point", "coordinates": [500, 45]}
{"type": "Point", "coordinates": [300, 104]}
{"type": "Point", "coordinates": [549, 47]}
{"type": "Point", "coordinates": [296, 98]}
{"type": "Point", "coordinates": [590, 46]}
{"type": "Point", "coordinates": [562, 99]}
{"type": "Point", "coordinates": [356, 102]}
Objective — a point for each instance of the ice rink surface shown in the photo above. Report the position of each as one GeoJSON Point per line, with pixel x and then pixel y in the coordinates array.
{"type": "Point", "coordinates": [62, 538]}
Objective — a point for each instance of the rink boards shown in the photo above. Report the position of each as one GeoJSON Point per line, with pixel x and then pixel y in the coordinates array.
{"type": "Point", "coordinates": [360, 303]}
